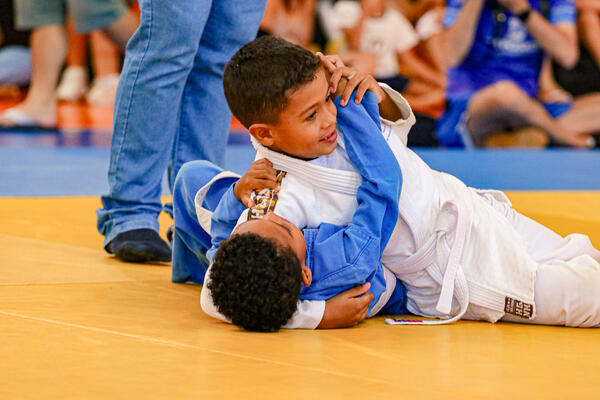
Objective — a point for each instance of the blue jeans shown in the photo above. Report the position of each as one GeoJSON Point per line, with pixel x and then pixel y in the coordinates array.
{"type": "Point", "coordinates": [190, 240]}
{"type": "Point", "coordinates": [170, 106]}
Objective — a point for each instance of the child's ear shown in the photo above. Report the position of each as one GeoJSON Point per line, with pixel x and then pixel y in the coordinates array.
{"type": "Point", "coordinates": [306, 275]}
{"type": "Point", "coordinates": [262, 133]}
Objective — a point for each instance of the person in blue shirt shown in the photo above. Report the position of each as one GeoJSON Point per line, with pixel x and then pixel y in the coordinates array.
{"type": "Point", "coordinates": [495, 50]}
{"type": "Point", "coordinates": [329, 260]}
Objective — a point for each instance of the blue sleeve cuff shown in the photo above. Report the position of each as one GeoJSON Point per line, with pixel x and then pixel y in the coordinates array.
{"type": "Point", "coordinates": [229, 208]}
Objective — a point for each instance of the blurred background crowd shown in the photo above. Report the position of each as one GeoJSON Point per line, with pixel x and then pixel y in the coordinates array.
{"type": "Point", "coordinates": [477, 73]}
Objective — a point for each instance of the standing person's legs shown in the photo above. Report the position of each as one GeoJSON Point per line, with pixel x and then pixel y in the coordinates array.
{"type": "Point", "coordinates": [205, 117]}
{"type": "Point", "coordinates": [157, 63]}
{"type": "Point", "coordinates": [48, 45]}
{"type": "Point", "coordinates": [74, 81]}
{"type": "Point", "coordinates": [112, 16]}
{"type": "Point", "coordinates": [107, 68]}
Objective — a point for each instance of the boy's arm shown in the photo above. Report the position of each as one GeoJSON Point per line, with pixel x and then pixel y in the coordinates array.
{"type": "Point", "coordinates": [224, 219]}
{"type": "Point", "coordinates": [370, 153]}
{"type": "Point", "coordinates": [359, 245]}
{"type": "Point", "coordinates": [401, 126]}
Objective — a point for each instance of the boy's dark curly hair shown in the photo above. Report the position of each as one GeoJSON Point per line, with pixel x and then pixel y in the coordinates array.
{"type": "Point", "coordinates": [261, 75]}
{"type": "Point", "coordinates": [255, 282]}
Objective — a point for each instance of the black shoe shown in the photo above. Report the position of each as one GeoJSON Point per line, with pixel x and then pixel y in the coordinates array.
{"type": "Point", "coordinates": [139, 245]}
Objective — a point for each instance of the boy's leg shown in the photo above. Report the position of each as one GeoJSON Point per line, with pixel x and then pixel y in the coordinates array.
{"type": "Point", "coordinates": [567, 285]}
{"type": "Point", "coordinates": [543, 244]}
{"type": "Point", "coordinates": [566, 293]}
{"type": "Point", "coordinates": [190, 241]}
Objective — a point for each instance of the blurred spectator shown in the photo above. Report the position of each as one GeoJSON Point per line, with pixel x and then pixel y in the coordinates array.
{"type": "Point", "coordinates": [495, 49]}
{"type": "Point", "coordinates": [292, 20]}
{"type": "Point", "coordinates": [585, 76]}
{"type": "Point", "coordinates": [15, 57]}
{"type": "Point", "coordinates": [106, 67]}
{"type": "Point", "coordinates": [427, 99]}
{"type": "Point", "coordinates": [49, 46]}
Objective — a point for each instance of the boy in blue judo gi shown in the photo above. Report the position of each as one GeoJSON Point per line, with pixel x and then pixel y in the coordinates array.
{"type": "Point", "coordinates": [328, 260]}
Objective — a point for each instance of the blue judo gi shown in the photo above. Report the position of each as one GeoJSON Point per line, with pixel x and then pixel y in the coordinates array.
{"type": "Point", "coordinates": [340, 257]}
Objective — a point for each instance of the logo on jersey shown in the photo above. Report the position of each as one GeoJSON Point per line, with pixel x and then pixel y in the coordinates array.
{"type": "Point", "coordinates": [516, 41]}
{"type": "Point", "coordinates": [265, 199]}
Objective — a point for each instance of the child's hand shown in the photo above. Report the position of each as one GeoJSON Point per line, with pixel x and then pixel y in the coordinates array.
{"type": "Point", "coordinates": [354, 80]}
{"type": "Point", "coordinates": [330, 62]}
{"type": "Point", "coordinates": [347, 308]}
{"type": "Point", "coordinates": [260, 175]}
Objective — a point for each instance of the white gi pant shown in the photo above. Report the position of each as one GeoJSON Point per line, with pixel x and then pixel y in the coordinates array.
{"type": "Point", "coordinates": [567, 283]}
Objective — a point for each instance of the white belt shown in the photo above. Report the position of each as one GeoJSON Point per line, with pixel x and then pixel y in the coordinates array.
{"type": "Point", "coordinates": [454, 283]}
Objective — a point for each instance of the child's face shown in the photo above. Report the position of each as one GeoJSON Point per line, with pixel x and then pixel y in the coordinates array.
{"type": "Point", "coordinates": [306, 127]}
{"type": "Point", "coordinates": [284, 233]}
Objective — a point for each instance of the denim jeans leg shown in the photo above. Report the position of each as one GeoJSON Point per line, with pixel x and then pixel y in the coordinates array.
{"type": "Point", "coordinates": [205, 117]}
{"type": "Point", "coordinates": [190, 240]}
{"type": "Point", "coordinates": [158, 60]}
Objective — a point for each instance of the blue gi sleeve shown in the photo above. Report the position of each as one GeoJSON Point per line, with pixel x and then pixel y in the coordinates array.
{"type": "Point", "coordinates": [342, 257]}
{"type": "Point", "coordinates": [367, 149]}
{"type": "Point", "coordinates": [224, 219]}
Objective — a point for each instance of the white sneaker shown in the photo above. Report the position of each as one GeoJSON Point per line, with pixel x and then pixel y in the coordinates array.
{"type": "Point", "coordinates": [103, 91]}
{"type": "Point", "coordinates": [73, 84]}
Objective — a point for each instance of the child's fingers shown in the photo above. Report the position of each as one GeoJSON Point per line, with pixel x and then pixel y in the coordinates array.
{"type": "Point", "coordinates": [358, 290]}
{"type": "Point", "coordinates": [262, 163]}
{"type": "Point", "coordinates": [327, 63]}
{"type": "Point", "coordinates": [264, 173]}
{"type": "Point", "coordinates": [350, 86]}
{"type": "Point", "coordinates": [246, 200]}
{"type": "Point", "coordinates": [263, 184]}
{"type": "Point", "coordinates": [361, 90]}
{"type": "Point", "coordinates": [335, 60]}
{"type": "Point", "coordinates": [335, 79]}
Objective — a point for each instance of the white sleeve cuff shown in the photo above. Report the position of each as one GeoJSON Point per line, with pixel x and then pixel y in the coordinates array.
{"type": "Point", "coordinates": [401, 126]}
{"type": "Point", "coordinates": [308, 315]}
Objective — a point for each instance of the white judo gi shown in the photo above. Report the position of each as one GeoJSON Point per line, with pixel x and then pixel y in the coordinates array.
{"type": "Point", "coordinates": [461, 252]}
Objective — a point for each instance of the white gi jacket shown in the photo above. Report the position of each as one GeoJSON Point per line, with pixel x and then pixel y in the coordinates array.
{"type": "Point", "coordinates": [450, 247]}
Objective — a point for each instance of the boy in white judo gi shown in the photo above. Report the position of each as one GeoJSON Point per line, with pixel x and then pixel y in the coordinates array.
{"type": "Point", "coordinates": [264, 245]}
{"type": "Point", "coordinates": [462, 253]}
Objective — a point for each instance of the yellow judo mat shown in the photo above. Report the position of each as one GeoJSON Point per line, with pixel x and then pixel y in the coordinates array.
{"type": "Point", "coordinates": [75, 323]}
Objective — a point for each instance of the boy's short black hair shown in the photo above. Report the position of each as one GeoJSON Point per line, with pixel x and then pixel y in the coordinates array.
{"type": "Point", "coordinates": [255, 282]}
{"type": "Point", "coordinates": [259, 77]}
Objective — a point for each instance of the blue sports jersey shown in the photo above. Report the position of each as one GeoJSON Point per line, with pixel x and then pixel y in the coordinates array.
{"type": "Point", "coordinates": [502, 49]}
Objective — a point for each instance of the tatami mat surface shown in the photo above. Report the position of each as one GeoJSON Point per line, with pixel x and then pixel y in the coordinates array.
{"type": "Point", "coordinates": [78, 324]}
